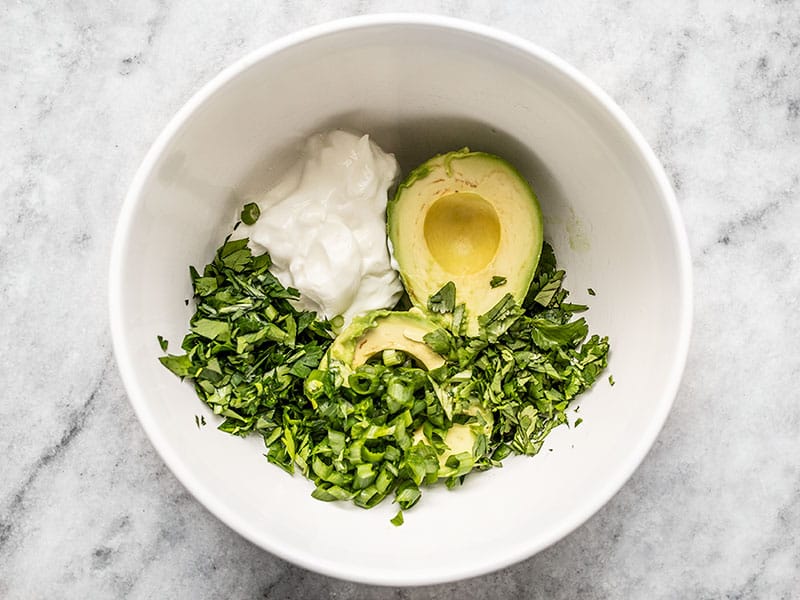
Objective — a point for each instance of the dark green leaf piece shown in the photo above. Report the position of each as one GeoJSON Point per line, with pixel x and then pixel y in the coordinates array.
{"type": "Point", "coordinates": [443, 301]}
{"type": "Point", "coordinates": [254, 359]}
{"type": "Point", "coordinates": [250, 213]}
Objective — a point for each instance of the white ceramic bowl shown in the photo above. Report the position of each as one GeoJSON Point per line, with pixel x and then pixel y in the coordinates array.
{"type": "Point", "coordinates": [419, 85]}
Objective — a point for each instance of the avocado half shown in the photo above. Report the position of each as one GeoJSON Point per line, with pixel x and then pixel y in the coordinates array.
{"type": "Point", "coordinates": [466, 217]}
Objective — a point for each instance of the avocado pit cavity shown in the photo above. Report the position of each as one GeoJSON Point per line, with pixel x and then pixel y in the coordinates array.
{"type": "Point", "coordinates": [462, 231]}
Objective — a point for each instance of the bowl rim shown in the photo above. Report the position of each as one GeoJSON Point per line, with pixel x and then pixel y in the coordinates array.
{"type": "Point", "coordinates": [207, 496]}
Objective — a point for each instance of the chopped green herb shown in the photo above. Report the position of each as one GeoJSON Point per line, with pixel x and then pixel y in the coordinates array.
{"type": "Point", "coordinates": [164, 344]}
{"type": "Point", "coordinates": [255, 360]}
{"type": "Point", "coordinates": [250, 213]}
{"type": "Point", "coordinates": [591, 292]}
{"type": "Point", "coordinates": [443, 301]}
{"type": "Point", "coordinates": [573, 308]}
{"type": "Point", "coordinates": [497, 281]}
{"type": "Point", "coordinates": [578, 422]}
{"type": "Point", "coordinates": [611, 380]}
{"type": "Point", "coordinates": [212, 329]}
{"type": "Point", "coordinates": [200, 421]}
{"type": "Point", "coordinates": [180, 365]}
{"type": "Point", "coordinates": [392, 358]}
{"type": "Point", "coordinates": [397, 520]}
{"type": "Point", "coordinates": [249, 348]}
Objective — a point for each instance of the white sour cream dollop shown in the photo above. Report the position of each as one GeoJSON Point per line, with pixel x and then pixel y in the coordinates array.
{"type": "Point", "coordinates": [324, 225]}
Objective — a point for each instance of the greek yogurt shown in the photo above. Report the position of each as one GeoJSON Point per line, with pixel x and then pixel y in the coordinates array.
{"type": "Point", "coordinates": [324, 225]}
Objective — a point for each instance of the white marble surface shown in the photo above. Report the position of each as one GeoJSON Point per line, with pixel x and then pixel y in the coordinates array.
{"type": "Point", "coordinates": [87, 509]}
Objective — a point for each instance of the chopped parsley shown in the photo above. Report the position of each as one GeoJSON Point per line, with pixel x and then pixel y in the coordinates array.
{"type": "Point", "coordinates": [255, 360]}
{"type": "Point", "coordinates": [497, 281]}
{"type": "Point", "coordinates": [443, 301]}
{"type": "Point", "coordinates": [249, 349]}
{"type": "Point", "coordinates": [250, 213]}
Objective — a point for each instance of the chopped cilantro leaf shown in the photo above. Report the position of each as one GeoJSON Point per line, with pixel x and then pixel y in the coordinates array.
{"type": "Point", "coordinates": [497, 281]}
{"type": "Point", "coordinates": [443, 301]}
{"type": "Point", "coordinates": [163, 344]}
{"type": "Point", "coordinates": [212, 329]}
{"type": "Point", "coordinates": [573, 308]}
{"type": "Point", "coordinates": [255, 360]}
{"type": "Point", "coordinates": [180, 365]}
{"type": "Point", "coordinates": [250, 213]}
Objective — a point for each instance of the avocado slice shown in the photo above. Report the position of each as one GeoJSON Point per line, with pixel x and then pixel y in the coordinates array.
{"type": "Point", "coordinates": [380, 330]}
{"type": "Point", "coordinates": [470, 218]}
{"type": "Point", "coordinates": [461, 437]}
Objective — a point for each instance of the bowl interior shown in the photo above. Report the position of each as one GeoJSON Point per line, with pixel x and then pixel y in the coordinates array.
{"type": "Point", "coordinates": [418, 88]}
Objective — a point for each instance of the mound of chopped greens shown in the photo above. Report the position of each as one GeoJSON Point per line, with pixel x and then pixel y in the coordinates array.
{"type": "Point", "coordinates": [254, 359]}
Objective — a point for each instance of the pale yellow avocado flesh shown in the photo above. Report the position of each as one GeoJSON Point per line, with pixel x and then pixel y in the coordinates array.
{"type": "Point", "coordinates": [466, 217]}
{"type": "Point", "coordinates": [396, 333]}
{"type": "Point", "coordinates": [462, 233]}
{"type": "Point", "coordinates": [381, 330]}
{"type": "Point", "coordinates": [460, 437]}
